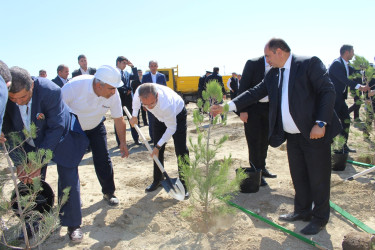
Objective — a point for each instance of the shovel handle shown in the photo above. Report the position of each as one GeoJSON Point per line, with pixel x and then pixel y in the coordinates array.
{"type": "Point", "coordinates": [156, 159]}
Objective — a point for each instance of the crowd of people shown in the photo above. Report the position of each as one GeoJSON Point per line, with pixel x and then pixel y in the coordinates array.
{"type": "Point", "coordinates": [279, 97]}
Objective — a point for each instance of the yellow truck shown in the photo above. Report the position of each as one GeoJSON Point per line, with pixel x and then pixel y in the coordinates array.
{"type": "Point", "coordinates": [185, 86]}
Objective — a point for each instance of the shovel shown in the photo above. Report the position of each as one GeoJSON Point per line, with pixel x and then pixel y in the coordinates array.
{"type": "Point", "coordinates": [355, 176]}
{"type": "Point", "coordinates": [173, 186]}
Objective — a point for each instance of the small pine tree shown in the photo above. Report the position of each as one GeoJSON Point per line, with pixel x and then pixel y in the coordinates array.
{"type": "Point", "coordinates": [207, 178]}
{"type": "Point", "coordinates": [366, 73]}
{"type": "Point", "coordinates": [13, 221]}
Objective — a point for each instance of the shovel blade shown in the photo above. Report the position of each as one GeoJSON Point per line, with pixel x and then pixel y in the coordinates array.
{"type": "Point", "coordinates": [174, 188]}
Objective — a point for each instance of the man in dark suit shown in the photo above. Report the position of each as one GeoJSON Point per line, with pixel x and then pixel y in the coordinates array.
{"type": "Point", "coordinates": [301, 102]}
{"type": "Point", "coordinates": [125, 91]}
{"type": "Point", "coordinates": [215, 76]}
{"type": "Point", "coordinates": [62, 75]}
{"type": "Point", "coordinates": [232, 85]}
{"type": "Point", "coordinates": [339, 72]}
{"type": "Point", "coordinates": [39, 102]}
{"type": "Point", "coordinates": [256, 128]}
{"type": "Point", "coordinates": [202, 83]}
{"type": "Point", "coordinates": [155, 77]}
{"type": "Point", "coordinates": [135, 84]}
{"type": "Point", "coordinates": [83, 70]}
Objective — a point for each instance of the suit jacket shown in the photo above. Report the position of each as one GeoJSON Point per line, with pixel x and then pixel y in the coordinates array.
{"type": "Point", "coordinates": [57, 128]}
{"type": "Point", "coordinates": [337, 73]}
{"type": "Point", "coordinates": [234, 84]}
{"type": "Point", "coordinates": [160, 78]}
{"type": "Point", "coordinates": [311, 97]}
{"type": "Point", "coordinates": [219, 78]}
{"type": "Point", "coordinates": [202, 83]}
{"type": "Point", "coordinates": [126, 100]}
{"type": "Point", "coordinates": [253, 73]}
{"type": "Point", "coordinates": [78, 72]}
{"type": "Point", "coordinates": [58, 81]}
{"type": "Point", "coordinates": [135, 84]}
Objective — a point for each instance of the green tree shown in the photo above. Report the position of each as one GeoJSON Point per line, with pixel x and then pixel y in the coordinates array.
{"type": "Point", "coordinates": [207, 178]}
{"type": "Point", "coordinates": [13, 221]}
{"type": "Point", "coordinates": [365, 72]}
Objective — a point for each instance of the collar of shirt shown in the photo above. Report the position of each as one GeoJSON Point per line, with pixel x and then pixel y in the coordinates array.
{"type": "Point", "coordinates": [346, 66]}
{"type": "Point", "coordinates": [288, 63]}
{"type": "Point", "coordinates": [62, 79]}
{"type": "Point", "coordinates": [85, 72]}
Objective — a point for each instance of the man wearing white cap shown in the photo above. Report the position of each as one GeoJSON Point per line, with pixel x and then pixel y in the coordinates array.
{"type": "Point", "coordinates": [90, 97]}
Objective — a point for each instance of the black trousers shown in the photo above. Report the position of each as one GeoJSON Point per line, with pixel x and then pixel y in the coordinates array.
{"type": "Point", "coordinates": [256, 132]}
{"type": "Point", "coordinates": [179, 139]}
{"type": "Point", "coordinates": [343, 113]}
{"type": "Point", "coordinates": [132, 130]}
{"type": "Point", "coordinates": [233, 94]}
{"type": "Point", "coordinates": [355, 107]}
{"type": "Point", "coordinates": [102, 162]}
{"type": "Point", "coordinates": [144, 117]}
{"type": "Point", "coordinates": [310, 168]}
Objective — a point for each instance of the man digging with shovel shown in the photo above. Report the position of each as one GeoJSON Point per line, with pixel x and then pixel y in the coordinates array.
{"type": "Point", "coordinates": [170, 113]}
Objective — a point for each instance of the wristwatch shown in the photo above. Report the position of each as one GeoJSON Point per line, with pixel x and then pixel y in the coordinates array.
{"type": "Point", "coordinates": [158, 147]}
{"type": "Point", "coordinates": [320, 124]}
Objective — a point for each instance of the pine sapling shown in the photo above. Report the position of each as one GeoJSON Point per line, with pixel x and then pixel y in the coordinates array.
{"type": "Point", "coordinates": [207, 178]}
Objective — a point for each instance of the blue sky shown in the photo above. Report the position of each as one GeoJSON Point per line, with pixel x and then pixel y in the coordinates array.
{"type": "Point", "coordinates": [196, 35]}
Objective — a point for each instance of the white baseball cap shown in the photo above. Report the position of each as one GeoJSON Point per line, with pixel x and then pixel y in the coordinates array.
{"type": "Point", "coordinates": [109, 75]}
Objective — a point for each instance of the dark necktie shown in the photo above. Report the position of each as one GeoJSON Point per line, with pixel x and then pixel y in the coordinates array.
{"type": "Point", "coordinates": [279, 130]}
{"type": "Point", "coordinates": [123, 77]}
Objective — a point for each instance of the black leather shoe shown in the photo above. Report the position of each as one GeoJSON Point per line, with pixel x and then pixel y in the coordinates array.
{"type": "Point", "coordinates": [267, 174]}
{"type": "Point", "coordinates": [347, 149]}
{"type": "Point", "coordinates": [313, 228]}
{"type": "Point", "coordinates": [153, 186]}
{"type": "Point", "coordinates": [263, 182]}
{"type": "Point", "coordinates": [294, 217]}
{"type": "Point", "coordinates": [187, 196]}
{"type": "Point", "coordinates": [138, 143]}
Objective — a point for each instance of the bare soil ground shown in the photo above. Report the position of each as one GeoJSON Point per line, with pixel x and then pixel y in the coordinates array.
{"type": "Point", "coordinates": [153, 220]}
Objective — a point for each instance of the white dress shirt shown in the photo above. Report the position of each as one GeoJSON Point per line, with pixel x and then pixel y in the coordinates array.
{"type": "Point", "coordinates": [288, 123]}
{"type": "Point", "coordinates": [168, 106]}
{"type": "Point", "coordinates": [153, 77]}
{"type": "Point", "coordinates": [25, 111]}
{"type": "Point", "coordinates": [79, 95]}
{"type": "Point", "coordinates": [64, 81]}
{"type": "Point", "coordinates": [85, 72]}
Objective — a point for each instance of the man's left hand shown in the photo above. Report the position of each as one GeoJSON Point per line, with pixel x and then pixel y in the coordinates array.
{"type": "Point", "coordinates": [216, 109]}
{"type": "Point", "coordinates": [155, 152]}
{"type": "Point", "coordinates": [124, 150]}
{"type": "Point", "coordinates": [2, 138]}
{"type": "Point", "coordinates": [317, 132]}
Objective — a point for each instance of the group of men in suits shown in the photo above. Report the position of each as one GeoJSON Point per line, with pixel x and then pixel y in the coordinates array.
{"type": "Point", "coordinates": [301, 112]}
{"type": "Point", "coordinates": [295, 100]}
